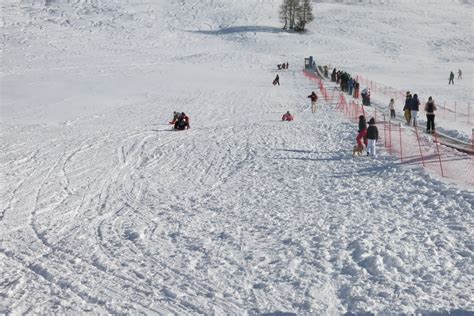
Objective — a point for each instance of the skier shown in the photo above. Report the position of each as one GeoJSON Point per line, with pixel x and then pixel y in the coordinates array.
{"type": "Point", "coordinates": [314, 98]}
{"type": "Point", "coordinates": [459, 74]}
{"type": "Point", "coordinates": [276, 80]}
{"type": "Point", "coordinates": [391, 107]}
{"type": "Point", "coordinates": [430, 108]}
{"type": "Point", "coordinates": [287, 116]}
{"type": "Point", "coordinates": [415, 107]}
{"type": "Point", "coordinates": [372, 136]}
{"type": "Point", "coordinates": [451, 78]}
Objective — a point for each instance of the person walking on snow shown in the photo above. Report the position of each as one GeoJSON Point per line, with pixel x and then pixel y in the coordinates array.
{"type": "Point", "coordinates": [391, 107]}
{"type": "Point", "coordinates": [407, 108]}
{"type": "Point", "coordinates": [372, 136]}
{"type": "Point", "coordinates": [459, 74]}
{"type": "Point", "coordinates": [451, 78]}
{"type": "Point", "coordinates": [415, 107]}
{"type": "Point", "coordinates": [314, 98]}
{"type": "Point", "coordinates": [430, 109]}
{"type": "Point", "coordinates": [276, 80]}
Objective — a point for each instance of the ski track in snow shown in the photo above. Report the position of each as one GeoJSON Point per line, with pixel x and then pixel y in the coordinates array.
{"type": "Point", "coordinates": [111, 211]}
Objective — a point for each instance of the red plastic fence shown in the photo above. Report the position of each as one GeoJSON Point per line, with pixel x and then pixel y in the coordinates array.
{"type": "Point", "coordinates": [404, 141]}
{"type": "Point", "coordinates": [457, 111]}
{"type": "Point", "coordinates": [413, 147]}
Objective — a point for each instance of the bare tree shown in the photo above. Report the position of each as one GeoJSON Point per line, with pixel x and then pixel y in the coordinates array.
{"type": "Point", "coordinates": [304, 14]}
{"type": "Point", "coordinates": [288, 13]}
{"type": "Point", "coordinates": [284, 13]}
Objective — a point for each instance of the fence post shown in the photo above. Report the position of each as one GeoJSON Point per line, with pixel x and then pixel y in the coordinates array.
{"type": "Point", "coordinates": [455, 110]}
{"type": "Point", "coordinates": [390, 136]}
{"type": "Point", "coordinates": [468, 113]}
{"type": "Point", "coordinates": [384, 132]}
{"type": "Point", "coordinates": [419, 146]}
{"type": "Point", "coordinates": [439, 156]}
{"type": "Point", "coordinates": [401, 150]}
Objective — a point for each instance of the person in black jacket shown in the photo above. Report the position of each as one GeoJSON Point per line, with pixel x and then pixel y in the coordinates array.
{"type": "Point", "coordinates": [372, 136]}
{"type": "Point", "coordinates": [276, 81]}
{"type": "Point", "coordinates": [415, 107]}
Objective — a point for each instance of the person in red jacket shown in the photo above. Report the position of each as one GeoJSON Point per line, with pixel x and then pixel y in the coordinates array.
{"type": "Point", "coordinates": [287, 116]}
{"type": "Point", "coordinates": [314, 98]}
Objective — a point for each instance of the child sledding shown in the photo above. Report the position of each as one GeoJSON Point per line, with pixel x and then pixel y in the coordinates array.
{"type": "Point", "coordinates": [180, 121]}
{"type": "Point", "coordinates": [287, 116]}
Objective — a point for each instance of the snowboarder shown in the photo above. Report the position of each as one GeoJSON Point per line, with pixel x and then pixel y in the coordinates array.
{"type": "Point", "coordinates": [276, 80]}
{"type": "Point", "coordinates": [415, 107]}
{"type": "Point", "coordinates": [459, 74]}
{"type": "Point", "coordinates": [451, 78]}
{"type": "Point", "coordinates": [287, 116]}
{"type": "Point", "coordinates": [430, 109]}
{"type": "Point", "coordinates": [372, 136]}
{"type": "Point", "coordinates": [314, 98]}
{"type": "Point", "coordinates": [391, 107]}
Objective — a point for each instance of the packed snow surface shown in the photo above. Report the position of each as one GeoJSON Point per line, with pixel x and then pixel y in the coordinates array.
{"type": "Point", "coordinates": [105, 209]}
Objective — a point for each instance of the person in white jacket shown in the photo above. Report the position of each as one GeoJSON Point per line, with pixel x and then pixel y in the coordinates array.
{"type": "Point", "coordinates": [391, 107]}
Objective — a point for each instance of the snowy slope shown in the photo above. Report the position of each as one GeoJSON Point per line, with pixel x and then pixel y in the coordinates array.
{"type": "Point", "coordinates": [104, 209]}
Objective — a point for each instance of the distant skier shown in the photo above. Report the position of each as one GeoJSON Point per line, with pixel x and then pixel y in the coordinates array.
{"type": "Point", "coordinates": [276, 80]}
{"type": "Point", "coordinates": [430, 109]}
{"type": "Point", "coordinates": [287, 116]}
{"type": "Point", "coordinates": [459, 74]}
{"type": "Point", "coordinates": [372, 136]}
{"type": "Point", "coordinates": [451, 78]}
{"type": "Point", "coordinates": [314, 99]}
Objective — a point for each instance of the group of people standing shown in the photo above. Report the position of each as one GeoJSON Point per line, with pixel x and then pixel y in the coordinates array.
{"type": "Point", "coordinates": [367, 136]}
{"type": "Point", "coordinates": [283, 66]}
{"type": "Point", "coordinates": [346, 82]}
{"type": "Point", "coordinates": [411, 109]}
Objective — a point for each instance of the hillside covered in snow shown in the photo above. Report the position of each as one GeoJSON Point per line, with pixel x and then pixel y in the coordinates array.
{"type": "Point", "coordinates": [104, 209]}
